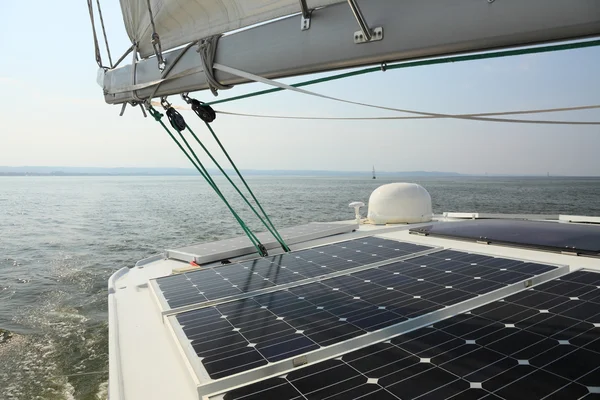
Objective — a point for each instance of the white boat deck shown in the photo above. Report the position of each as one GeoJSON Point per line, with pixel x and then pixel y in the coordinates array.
{"type": "Point", "coordinates": [147, 360]}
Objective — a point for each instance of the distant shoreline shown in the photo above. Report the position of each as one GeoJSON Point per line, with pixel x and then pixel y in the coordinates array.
{"type": "Point", "coordinates": [386, 176]}
{"type": "Point", "coordinates": [43, 171]}
{"type": "Point", "coordinates": [82, 171]}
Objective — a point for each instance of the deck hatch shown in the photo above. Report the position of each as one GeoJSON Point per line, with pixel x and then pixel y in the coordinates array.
{"type": "Point", "coordinates": [208, 284]}
{"type": "Point", "coordinates": [244, 334]}
{"type": "Point", "coordinates": [537, 343]}
{"type": "Point", "coordinates": [204, 253]}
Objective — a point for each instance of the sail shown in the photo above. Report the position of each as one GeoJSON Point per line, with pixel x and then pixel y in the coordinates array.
{"type": "Point", "coordinates": [181, 21]}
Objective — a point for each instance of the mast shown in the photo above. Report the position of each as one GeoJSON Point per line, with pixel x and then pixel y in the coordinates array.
{"type": "Point", "coordinates": [374, 172]}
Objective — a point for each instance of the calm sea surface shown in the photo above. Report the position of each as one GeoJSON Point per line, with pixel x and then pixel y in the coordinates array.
{"type": "Point", "coordinates": [62, 237]}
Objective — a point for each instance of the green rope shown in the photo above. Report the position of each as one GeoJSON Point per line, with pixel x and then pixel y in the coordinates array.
{"type": "Point", "coordinates": [278, 236]}
{"type": "Point", "coordinates": [271, 228]}
{"type": "Point", "coordinates": [210, 180]}
{"type": "Point", "coordinates": [204, 173]}
{"type": "Point", "coordinates": [435, 61]}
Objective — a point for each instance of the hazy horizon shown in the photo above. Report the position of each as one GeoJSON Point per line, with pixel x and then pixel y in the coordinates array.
{"type": "Point", "coordinates": [45, 170]}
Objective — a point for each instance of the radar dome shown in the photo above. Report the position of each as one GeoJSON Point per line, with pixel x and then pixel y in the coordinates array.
{"type": "Point", "coordinates": [400, 203]}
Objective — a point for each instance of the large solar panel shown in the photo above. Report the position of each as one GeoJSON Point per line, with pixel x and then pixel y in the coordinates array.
{"type": "Point", "coordinates": [214, 283]}
{"type": "Point", "coordinates": [544, 235]}
{"type": "Point", "coordinates": [248, 333]}
{"type": "Point", "coordinates": [541, 343]}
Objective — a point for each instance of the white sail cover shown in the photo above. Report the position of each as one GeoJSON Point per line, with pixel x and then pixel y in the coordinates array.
{"type": "Point", "coordinates": [182, 21]}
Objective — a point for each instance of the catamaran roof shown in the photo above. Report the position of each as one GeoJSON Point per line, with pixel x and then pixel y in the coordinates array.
{"type": "Point", "coordinates": [376, 311]}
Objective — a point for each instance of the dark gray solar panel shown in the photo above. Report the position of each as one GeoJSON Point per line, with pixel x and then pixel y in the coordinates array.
{"type": "Point", "coordinates": [243, 334]}
{"type": "Point", "coordinates": [542, 343]}
{"type": "Point", "coordinates": [214, 283]}
{"type": "Point", "coordinates": [579, 238]}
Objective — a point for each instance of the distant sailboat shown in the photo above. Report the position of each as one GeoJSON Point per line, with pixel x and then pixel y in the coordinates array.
{"type": "Point", "coordinates": [374, 177]}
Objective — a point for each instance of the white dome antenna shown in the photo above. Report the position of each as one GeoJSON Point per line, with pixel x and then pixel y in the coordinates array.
{"type": "Point", "coordinates": [400, 203]}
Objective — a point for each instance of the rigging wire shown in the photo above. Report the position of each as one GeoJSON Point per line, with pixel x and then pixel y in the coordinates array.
{"type": "Point", "coordinates": [270, 228]}
{"type": "Point", "coordinates": [271, 82]}
{"type": "Point", "coordinates": [297, 117]}
{"type": "Point", "coordinates": [168, 69]}
{"type": "Point", "coordinates": [207, 114]}
{"type": "Point", "coordinates": [431, 61]}
{"type": "Point", "coordinates": [394, 118]}
{"type": "Point", "coordinates": [96, 45]}
{"type": "Point", "coordinates": [129, 50]}
{"type": "Point", "coordinates": [104, 33]}
{"type": "Point", "coordinates": [204, 172]}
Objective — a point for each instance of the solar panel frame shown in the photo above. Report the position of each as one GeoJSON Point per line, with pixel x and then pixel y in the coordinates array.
{"type": "Point", "coordinates": [166, 309]}
{"type": "Point", "coordinates": [213, 387]}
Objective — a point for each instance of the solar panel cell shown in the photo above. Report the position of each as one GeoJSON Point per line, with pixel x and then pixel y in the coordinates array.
{"type": "Point", "coordinates": [571, 391]}
{"type": "Point", "coordinates": [419, 384]}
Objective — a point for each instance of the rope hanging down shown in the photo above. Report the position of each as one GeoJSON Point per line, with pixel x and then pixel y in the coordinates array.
{"type": "Point", "coordinates": [207, 114]}
{"type": "Point", "coordinates": [177, 122]}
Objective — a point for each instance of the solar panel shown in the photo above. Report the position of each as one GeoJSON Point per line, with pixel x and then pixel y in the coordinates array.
{"type": "Point", "coordinates": [266, 328]}
{"type": "Point", "coordinates": [577, 238]}
{"type": "Point", "coordinates": [539, 343]}
{"type": "Point", "coordinates": [214, 283]}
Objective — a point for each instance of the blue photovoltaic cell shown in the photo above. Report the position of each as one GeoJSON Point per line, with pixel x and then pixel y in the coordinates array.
{"type": "Point", "coordinates": [229, 280]}
{"type": "Point", "coordinates": [243, 334]}
{"type": "Point", "coordinates": [542, 343]}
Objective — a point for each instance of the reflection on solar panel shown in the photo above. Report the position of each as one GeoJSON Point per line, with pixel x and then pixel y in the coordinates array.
{"type": "Point", "coordinates": [539, 343]}
{"type": "Point", "coordinates": [219, 282]}
{"type": "Point", "coordinates": [244, 334]}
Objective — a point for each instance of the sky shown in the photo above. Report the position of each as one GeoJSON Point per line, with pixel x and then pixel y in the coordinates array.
{"type": "Point", "coordinates": [53, 112]}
